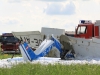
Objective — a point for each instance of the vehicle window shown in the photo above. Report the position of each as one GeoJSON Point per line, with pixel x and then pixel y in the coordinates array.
{"type": "Point", "coordinates": [10, 39]}
{"type": "Point", "coordinates": [81, 30]}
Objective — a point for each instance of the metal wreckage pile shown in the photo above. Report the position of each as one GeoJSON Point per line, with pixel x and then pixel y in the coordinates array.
{"type": "Point", "coordinates": [67, 53]}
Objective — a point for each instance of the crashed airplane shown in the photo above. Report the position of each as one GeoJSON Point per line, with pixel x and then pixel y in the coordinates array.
{"type": "Point", "coordinates": [45, 47]}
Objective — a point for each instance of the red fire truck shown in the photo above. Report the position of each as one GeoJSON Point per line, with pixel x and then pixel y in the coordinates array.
{"type": "Point", "coordinates": [9, 43]}
{"type": "Point", "coordinates": [87, 29]}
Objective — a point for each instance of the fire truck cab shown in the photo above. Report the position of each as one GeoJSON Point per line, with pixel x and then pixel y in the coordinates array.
{"type": "Point", "coordinates": [87, 29]}
{"type": "Point", "coordinates": [9, 43]}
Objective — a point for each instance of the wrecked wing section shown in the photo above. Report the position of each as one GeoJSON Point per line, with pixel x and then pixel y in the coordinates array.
{"type": "Point", "coordinates": [67, 49]}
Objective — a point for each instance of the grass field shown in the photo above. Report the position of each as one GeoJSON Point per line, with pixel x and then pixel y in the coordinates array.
{"type": "Point", "coordinates": [4, 56]}
{"type": "Point", "coordinates": [58, 69]}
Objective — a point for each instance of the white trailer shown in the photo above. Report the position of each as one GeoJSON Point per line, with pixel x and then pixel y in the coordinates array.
{"type": "Point", "coordinates": [55, 31]}
{"type": "Point", "coordinates": [33, 38]}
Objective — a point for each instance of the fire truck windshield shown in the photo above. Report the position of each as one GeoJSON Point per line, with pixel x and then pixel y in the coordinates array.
{"type": "Point", "coordinates": [9, 39]}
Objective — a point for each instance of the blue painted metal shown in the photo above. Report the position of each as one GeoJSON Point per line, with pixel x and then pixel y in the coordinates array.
{"type": "Point", "coordinates": [32, 56]}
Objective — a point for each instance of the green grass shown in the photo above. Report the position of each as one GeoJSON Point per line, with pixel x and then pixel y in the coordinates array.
{"type": "Point", "coordinates": [4, 56]}
{"type": "Point", "coordinates": [58, 69]}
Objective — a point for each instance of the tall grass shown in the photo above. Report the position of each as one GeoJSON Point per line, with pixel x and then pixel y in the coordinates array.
{"type": "Point", "coordinates": [58, 69]}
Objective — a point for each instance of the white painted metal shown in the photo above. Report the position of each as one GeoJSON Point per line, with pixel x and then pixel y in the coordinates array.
{"type": "Point", "coordinates": [55, 31]}
{"type": "Point", "coordinates": [86, 47]}
{"type": "Point", "coordinates": [97, 23]}
{"type": "Point", "coordinates": [33, 38]}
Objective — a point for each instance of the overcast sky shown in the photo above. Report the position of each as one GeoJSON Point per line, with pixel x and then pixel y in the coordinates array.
{"type": "Point", "coordinates": [31, 15]}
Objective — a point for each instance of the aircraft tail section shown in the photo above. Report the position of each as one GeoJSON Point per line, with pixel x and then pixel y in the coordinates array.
{"type": "Point", "coordinates": [29, 54]}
